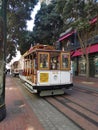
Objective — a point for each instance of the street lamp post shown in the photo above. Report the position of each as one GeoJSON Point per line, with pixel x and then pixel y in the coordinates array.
{"type": "Point", "coordinates": [3, 4]}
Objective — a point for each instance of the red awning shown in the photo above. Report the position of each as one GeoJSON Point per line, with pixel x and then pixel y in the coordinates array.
{"type": "Point", "coordinates": [93, 20]}
{"type": "Point", "coordinates": [69, 34]}
{"type": "Point", "coordinates": [93, 48]}
{"type": "Point", "coordinates": [65, 36]}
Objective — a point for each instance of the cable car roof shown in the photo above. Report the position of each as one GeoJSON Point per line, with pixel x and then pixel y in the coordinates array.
{"type": "Point", "coordinates": [38, 47]}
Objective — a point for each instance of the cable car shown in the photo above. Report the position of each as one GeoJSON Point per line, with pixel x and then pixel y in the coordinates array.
{"type": "Point", "coordinates": [47, 71]}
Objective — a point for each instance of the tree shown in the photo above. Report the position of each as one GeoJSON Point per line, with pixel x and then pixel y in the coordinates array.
{"type": "Point", "coordinates": [18, 12]}
{"type": "Point", "coordinates": [3, 4]}
{"type": "Point", "coordinates": [79, 15]}
{"type": "Point", "coordinates": [25, 42]}
{"type": "Point", "coordinates": [47, 24]}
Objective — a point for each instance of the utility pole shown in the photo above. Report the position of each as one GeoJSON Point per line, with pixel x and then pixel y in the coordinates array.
{"type": "Point", "coordinates": [3, 39]}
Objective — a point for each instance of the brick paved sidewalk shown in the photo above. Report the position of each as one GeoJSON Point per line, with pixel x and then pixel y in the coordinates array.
{"type": "Point", "coordinates": [80, 81]}
{"type": "Point", "coordinates": [19, 114]}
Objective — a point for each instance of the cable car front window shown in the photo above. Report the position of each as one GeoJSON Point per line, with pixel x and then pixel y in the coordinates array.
{"type": "Point", "coordinates": [44, 61]}
{"type": "Point", "coordinates": [65, 61]}
{"type": "Point", "coordinates": [55, 61]}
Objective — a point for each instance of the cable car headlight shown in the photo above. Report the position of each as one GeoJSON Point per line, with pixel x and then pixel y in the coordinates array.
{"type": "Point", "coordinates": [55, 77]}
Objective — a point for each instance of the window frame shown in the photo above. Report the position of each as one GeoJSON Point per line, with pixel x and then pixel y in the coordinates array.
{"type": "Point", "coordinates": [42, 68]}
{"type": "Point", "coordinates": [61, 63]}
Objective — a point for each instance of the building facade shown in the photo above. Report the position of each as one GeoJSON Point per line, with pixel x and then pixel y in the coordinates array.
{"type": "Point", "coordinates": [69, 41]}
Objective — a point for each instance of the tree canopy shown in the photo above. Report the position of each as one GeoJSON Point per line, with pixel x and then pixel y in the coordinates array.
{"type": "Point", "coordinates": [59, 16]}
{"type": "Point", "coordinates": [48, 24]}
{"type": "Point", "coordinates": [80, 14]}
{"type": "Point", "coordinates": [50, 21]}
{"type": "Point", "coordinates": [18, 12]}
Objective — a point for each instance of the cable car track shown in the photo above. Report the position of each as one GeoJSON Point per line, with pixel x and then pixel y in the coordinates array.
{"type": "Point", "coordinates": [80, 105]}
{"type": "Point", "coordinates": [79, 117]}
{"type": "Point", "coordinates": [86, 90]}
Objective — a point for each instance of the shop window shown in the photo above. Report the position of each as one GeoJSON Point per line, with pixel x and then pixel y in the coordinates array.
{"type": "Point", "coordinates": [82, 66]}
{"type": "Point", "coordinates": [96, 66]}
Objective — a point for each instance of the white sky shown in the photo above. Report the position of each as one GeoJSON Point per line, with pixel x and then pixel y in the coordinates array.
{"type": "Point", "coordinates": [30, 24]}
{"type": "Point", "coordinates": [18, 56]}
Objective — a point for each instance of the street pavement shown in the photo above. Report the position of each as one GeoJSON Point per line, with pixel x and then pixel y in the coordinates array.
{"type": "Point", "coordinates": [23, 115]}
{"type": "Point", "coordinates": [19, 114]}
{"type": "Point", "coordinates": [91, 83]}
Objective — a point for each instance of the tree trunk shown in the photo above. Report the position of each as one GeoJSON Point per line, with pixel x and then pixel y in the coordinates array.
{"type": "Point", "coordinates": [87, 67]}
{"type": "Point", "coordinates": [2, 59]}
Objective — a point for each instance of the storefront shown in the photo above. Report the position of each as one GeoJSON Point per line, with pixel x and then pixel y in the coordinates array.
{"type": "Point", "coordinates": [69, 42]}
{"type": "Point", "coordinates": [96, 65]}
{"type": "Point", "coordinates": [79, 65]}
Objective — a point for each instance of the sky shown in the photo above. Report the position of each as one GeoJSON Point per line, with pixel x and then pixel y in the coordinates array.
{"type": "Point", "coordinates": [18, 56]}
{"type": "Point", "coordinates": [30, 23]}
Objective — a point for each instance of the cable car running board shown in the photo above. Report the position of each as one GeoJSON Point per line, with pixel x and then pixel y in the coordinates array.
{"type": "Point", "coordinates": [30, 88]}
{"type": "Point", "coordinates": [51, 92]}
